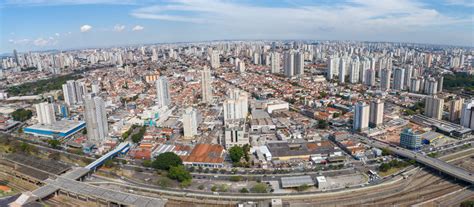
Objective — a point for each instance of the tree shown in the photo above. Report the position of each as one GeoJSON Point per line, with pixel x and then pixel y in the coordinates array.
{"type": "Point", "coordinates": [386, 152]}
{"type": "Point", "coordinates": [259, 188]}
{"type": "Point", "coordinates": [54, 156]}
{"type": "Point", "coordinates": [164, 182]}
{"type": "Point", "coordinates": [22, 115]}
{"type": "Point", "coordinates": [166, 160]}
{"type": "Point", "coordinates": [236, 153]}
{"type": "Point", "coordinates": [303, 187]}
{"type": "Point", "coordinates": [147, 163]}
{"type": "Point", "coordinates": [109, 163]}
{"type": "Point", "coordinates": [468, 203]}
{"type": "Point", "coordinates": [322, 124]}
{"type": "Point", "coordinates": [244, 190]}
{"type": "Point", "coordinates": [54, 143]}
{"type": "Point", "coordinates": [179, 173]}
{"type": "Point", "coordinates": [235, 178]}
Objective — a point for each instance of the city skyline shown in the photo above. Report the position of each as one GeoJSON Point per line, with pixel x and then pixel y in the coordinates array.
{"type": "Point", "coordinates": [111, 23]}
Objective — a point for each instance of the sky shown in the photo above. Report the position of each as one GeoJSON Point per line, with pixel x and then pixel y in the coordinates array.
{"type": "Point", "coordinates": [31, 25]}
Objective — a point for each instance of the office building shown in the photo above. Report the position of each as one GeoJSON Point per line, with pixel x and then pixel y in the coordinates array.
{"type": "Point", "coordinates": [206, 87]}
{"type": "Point", "coordinates": [96, 118]}
{"type": "Point", "coordinates": [467, 114]}
{"type": "Point", "coordinates": [410, 139]}
{"type": "Point", "coordinates": [163, 97]}
{"type": "Point", "coordinates": [376, 113]}
{"type": "Point", "coordinates": [434, 107]}
{"type": "Point", "coordinates": [45, 113]}
{"type": "Point", "coordinates": [361, 116]}
{"type": "Point", "coordinates": [455, 107]}
{"type": "Point", "coordinates": [235, 133]}
{"type": "Point", "coordinates": [236, 106]}
{"type": "Point", "coordinates": [190, 123]}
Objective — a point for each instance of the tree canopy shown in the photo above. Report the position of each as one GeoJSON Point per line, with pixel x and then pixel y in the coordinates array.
{"type": "Point", "coordinates": [179, 173]}
{"type": "Point", "coordinates": [166, 160]}
{"type": "Point", "coordinates": [236, 153]}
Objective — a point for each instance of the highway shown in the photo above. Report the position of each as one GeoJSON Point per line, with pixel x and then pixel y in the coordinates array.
{"type": "Point", "coordinates": [434, 163]}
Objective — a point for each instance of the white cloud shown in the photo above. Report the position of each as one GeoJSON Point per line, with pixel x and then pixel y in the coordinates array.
{"type": "Point", "coordinates": [19, 41]}
{"type": "Point", "coordinates": [119, 28]}
{"type": "Point", "coordinates": [86, 28]}
{"type": "Point", "coordinates": [40, 42]}
{"type": "Point", "coordinates": [67, 2]}
{"type": "Point", "coordinates": [137, 28]}
{"type": "Point", "coordinates": [57, 34]}
{"type": "Point", "coordinates": [466, 3]}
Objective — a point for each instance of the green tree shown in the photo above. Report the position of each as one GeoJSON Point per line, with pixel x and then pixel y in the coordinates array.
{"type": "Point", "coordinates": [164, 182]}
{"type": "Point", "coordinates": [166, 160]}
{"type": "Point", "coordinates": [54, 143]}
{"type": "Point", "coordinates": [468, 203]}
{"type": "Point", "coordinates": [22, 114]}
{"type": "Point", "coordinates": [147, 163]}
{"type": "Point", "coordinates": [303, 187]}
{"type": "Point", "coordinates": [236, 153]}
{"type": "Point", "coordinates": [235, 178]}
{"type": "Point", "coordinates": [322, 124]}
{"type": "Point", "coordinates": [179, 173]}
{"type": "Point", "coordinates": [244, 190]}
{"type": "Point", "coordinates": [259, 188]}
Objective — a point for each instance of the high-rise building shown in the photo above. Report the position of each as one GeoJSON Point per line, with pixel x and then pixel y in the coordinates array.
{"type": "Point", "coordinates": [17, 59]}
{"type": "Point", "coordinates": [333, 67]}
{"type": "Point", "coordinates": [385, 79]}
{"type": "Point", "coordinates": [432, 88]}
{"type": "Point", "coordinates": [355, 68]}
{"type": "Point", "coordinates": [342, 70]}
{"type": "Point", "coordinates": [398, 79]}
{"type": "Point", "coordinates": [370, 77]}
{"type": "Point", "coordinates": [236, 106]}
{"type": "Point", "coordinates": [408, 73]}
{"type": "Point", "coordinates": [96, 118]}
{"type": "Point", "coordinates": [74, 92]}
{"type": "Point", "coordinates": [190, 123]}
{"type": "Point", "coordinates": [361, 116]}
{"type": "Point", "coordinates": [235, 133]}
{"type": "Point", "coordinates": [455, 107]}
{"type": "Point", "coordinates": [376, 113]}
{"type": "Point", "coordinates": [289, 64]}
{"type": "Point", "coordinates": [45, 113]}
{"type": "Point", "coordinates": [215, 60]}
{"type": "Point", "coordinates": [275, 62]}
{"type": "Point", "coordinates": [467, 114]}
{"type": "Point", "coordinates": [415, 85]}
{"type": "Point", "coordinates": [410, 139]}
{"type": "Point", "coordinates": [299, 63]}
{"type": "Point", "coordinates": [163, 97]}
{"type": "Point", "coordinates": [206, 86]}
{"type": "Point", "coordinates": [434, 107]}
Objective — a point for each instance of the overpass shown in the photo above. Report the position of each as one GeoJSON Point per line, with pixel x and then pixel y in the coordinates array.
{"type": "Point", "coordinates": [68, 184]}
{"type": "Point", "coordinates": [434, 163]}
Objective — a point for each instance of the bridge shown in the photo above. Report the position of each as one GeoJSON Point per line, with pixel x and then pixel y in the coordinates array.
{"type": "Point", "coordinates": [434, 163]}
{"type": "Point", "coordinates": [68, 184]}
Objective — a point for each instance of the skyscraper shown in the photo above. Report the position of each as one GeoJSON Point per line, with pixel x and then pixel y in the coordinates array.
{"type": "Point", "coordinates": [206, 87]}
{"type": "Point", "coordinates": [376, 113]}
{"type": "Point", "coordinates": [342, 70]}
{"type": "Point", "coordinates": [275, 62]}
{"type": "Point", "coordinates": [73, 92]}
{"type": "Point", "coordinates": [17, 60]}
{"type": "Point", "coordinates": [408, 73]}
{"type": "Point", "coordinates": [215, 60]}
{"type": "Point", "coordinates": [361, 116]}
{"type": "Point", "coordinates": [410, 139]}
{"type": "Point", "coordinates": [96, 118]}
{"type": "Point", "coordinates": [385, 79]}
{"type": "Point", "coordinates": [398, 79]}
{"type": "Point", "coordinates": [45, 113]}
{"type": "Point", "coordinates": [370, 77]}
{"type": "Point", "coordinates": [190, 123]}
{"type": "Point", "coordinates": [434, 107]}
{"type": "Point", "coordinates": [355, 67]}
{"type": "Point", "coordinates": [163, 97]}
{"type": "Point", "coordinates": [289, 64]}
{"type": "Point", "coordinates": [467, 114]}
{"type": "Point", "coordinates": [236, 106]}
{"type": "Point", "coordinates": [455, 107]}
{"type": "Point", "coordinates": [333, 67]}
{"type": "Point", "coordinates": [299, 63]}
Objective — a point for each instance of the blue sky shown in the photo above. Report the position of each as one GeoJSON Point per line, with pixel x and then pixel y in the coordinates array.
{"type": "Point", "coordinates": [63, 24]}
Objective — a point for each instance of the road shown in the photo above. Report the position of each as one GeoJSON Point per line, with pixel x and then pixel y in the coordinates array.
{"type": "Point", "coordinates": [437, 164]}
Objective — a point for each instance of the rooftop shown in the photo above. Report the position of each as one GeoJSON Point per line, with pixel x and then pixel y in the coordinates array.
{"type": "Point", "coordinates": [205, 153]}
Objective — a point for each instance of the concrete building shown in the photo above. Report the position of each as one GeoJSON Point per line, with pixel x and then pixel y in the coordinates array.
{"type": "Point", "coordinates": [190, 123]}
{"type": "Point", "coordinates": [455, 107]}
{"type": "Point", "coordinates": [398, 79]}
{"type": "Point", "coordinates": [235, 133]}
{"type": "Point", "coordinates": [236, 106]}
{"type": "Point", "coordinates": [333, 67]}
{"type": "Point", "coordinates": [355, 68]}
{"type": "Point", "coordinates": [45, 113]}
{"type": "Point", "coordinates": [73, 92]}
{"type": "Point", "coordinates": [96, 118]}
{"type": "Point", "coordinates": [385, 79]}
{"type": "Point", "coordinates": [289, 64]}
{"type": "Point", "coordinates": [206, 87]}
{"type": "Point", "coordinates": [410, 140]}
{"type": "Point", "coordinates": [342, 70]}
{"type": "Point", "coordinates": [376, 112]}
{"type": "Point", "coordinates": [163, 97]}
{"type": "Point", "coordinates": [434, 107]}
{"type": "Point", "coordinates": [467, 114]}
{"type": "Point", "coordinates": [215, 60]}
{"type": "Point", "coordinates": [275, 62]}
{"type": "Point", "coordinates": [361, 116]}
